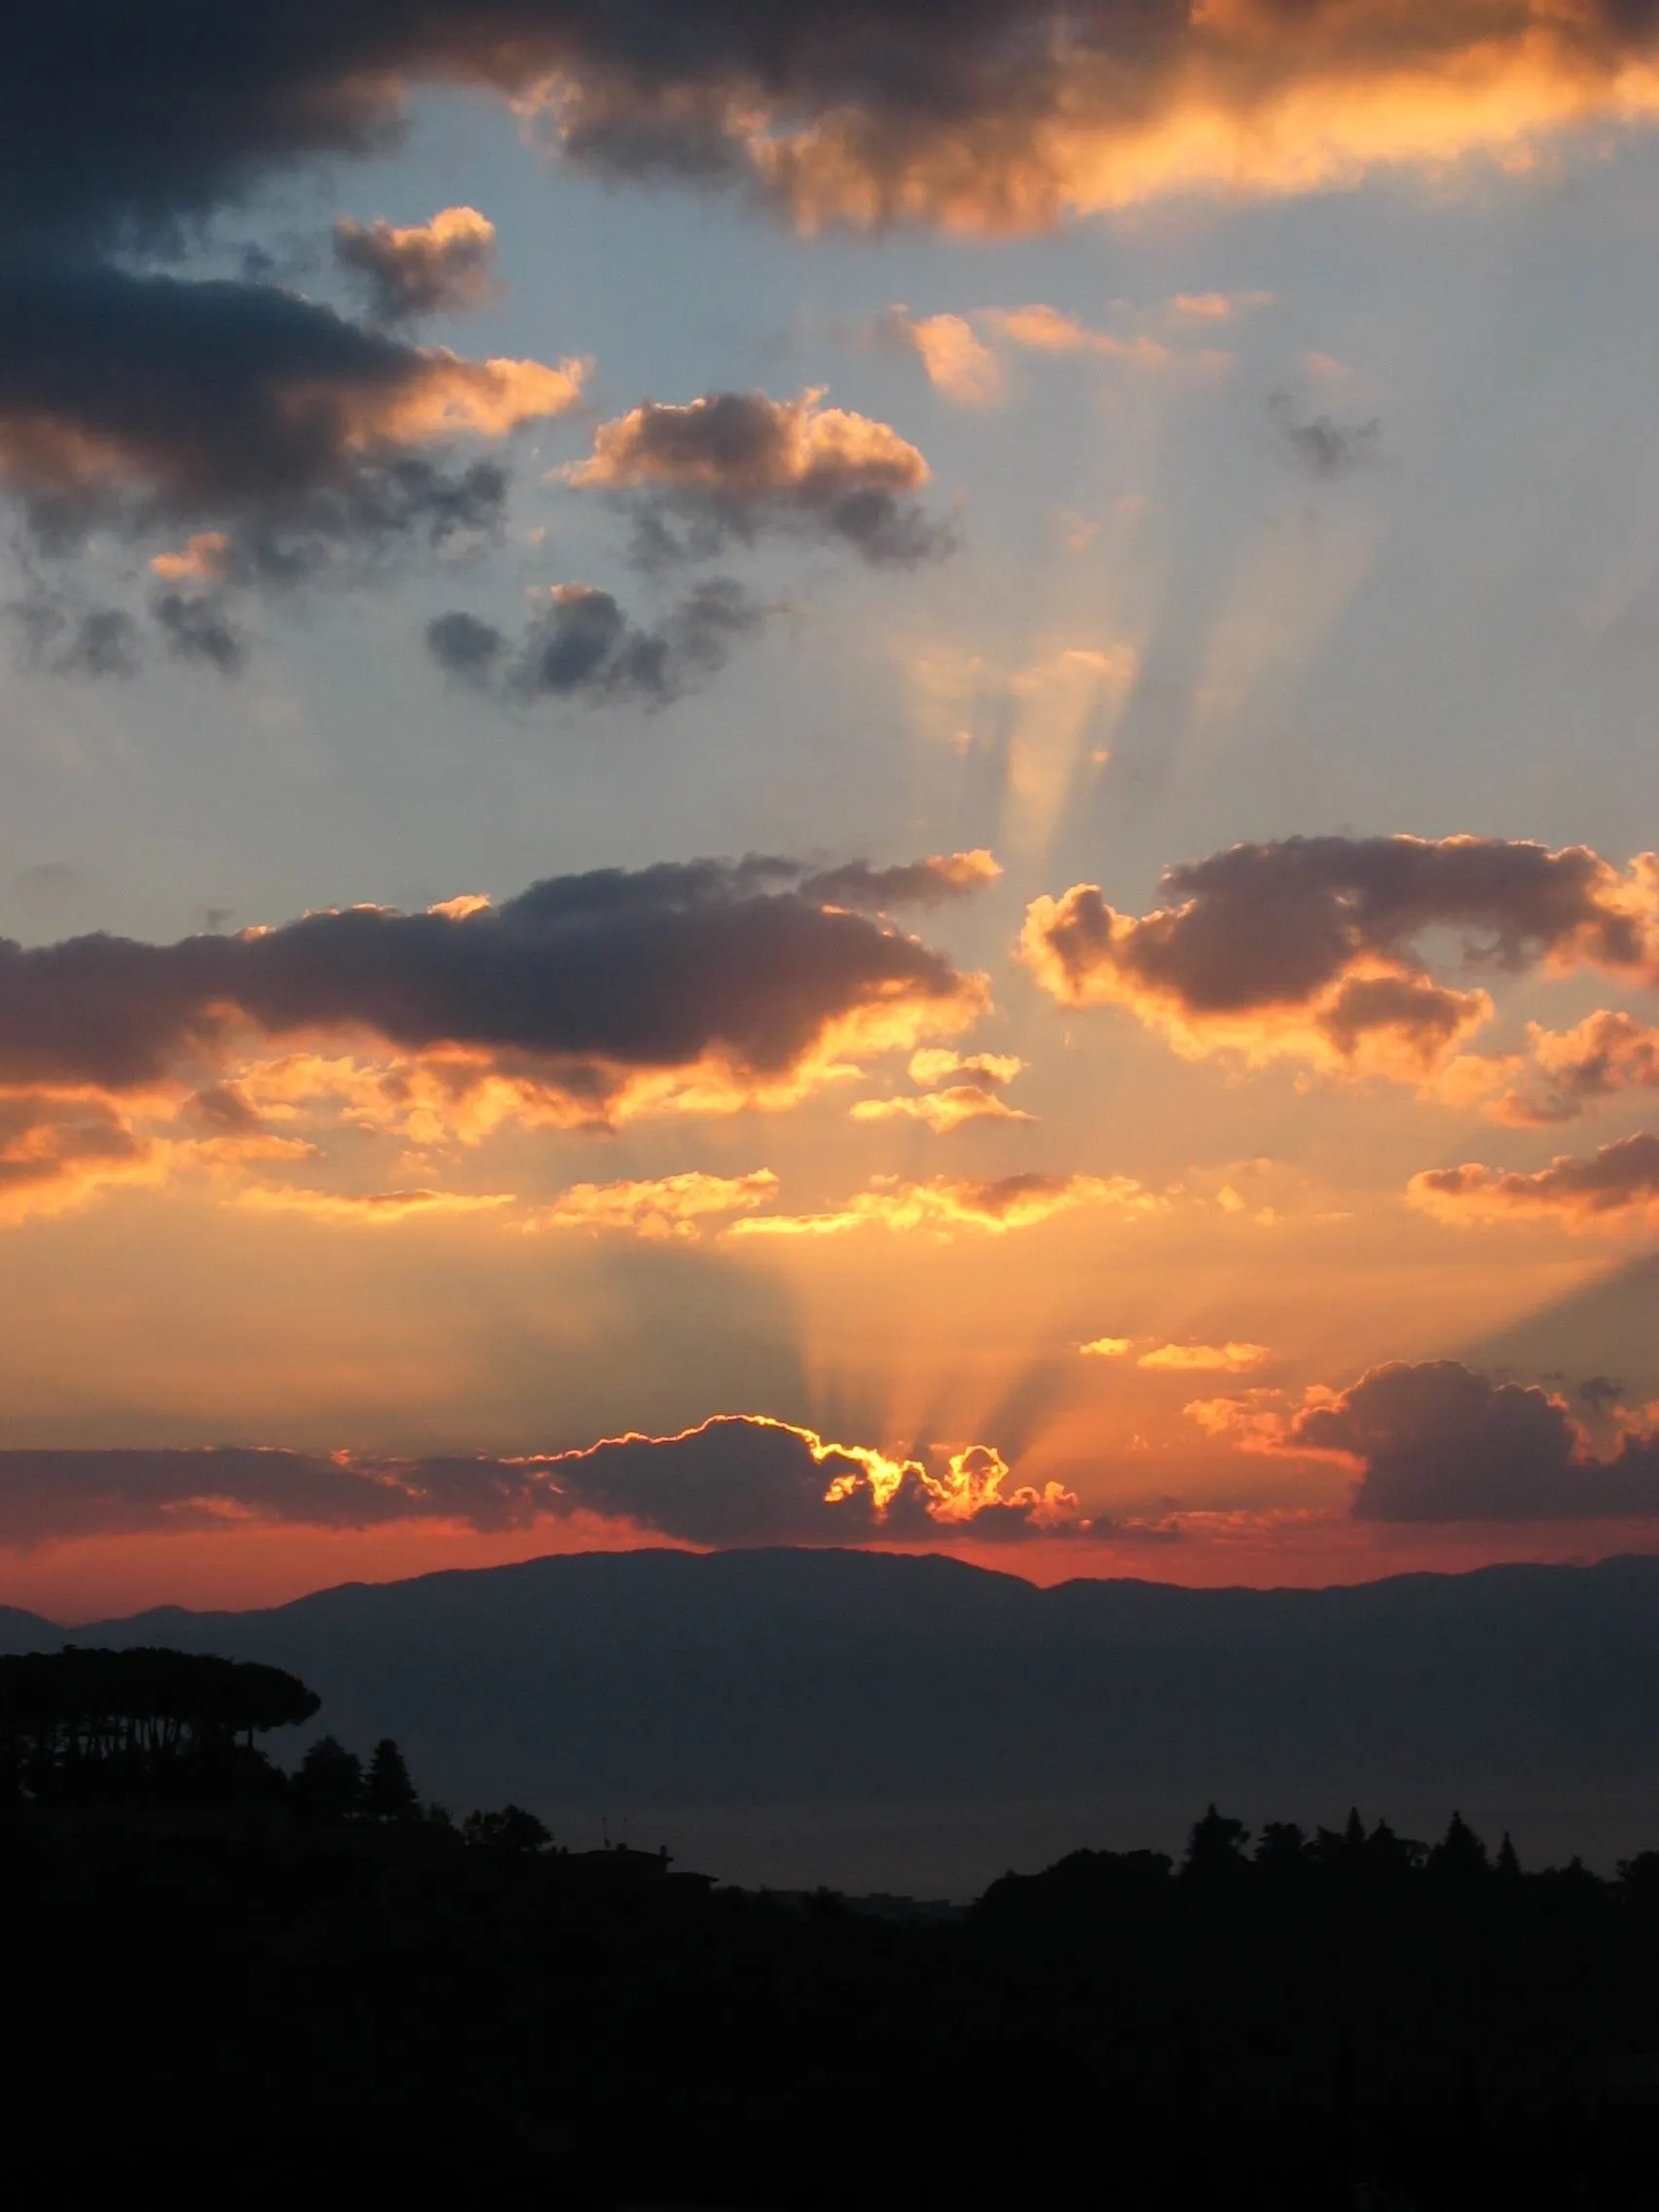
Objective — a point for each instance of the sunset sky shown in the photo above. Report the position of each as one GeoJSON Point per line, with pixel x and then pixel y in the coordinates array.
{"type": "Point", "coordinates": [878, 773]}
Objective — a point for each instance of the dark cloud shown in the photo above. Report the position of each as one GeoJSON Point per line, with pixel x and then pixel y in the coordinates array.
{"type": "Point", "coordinates": [582, 645]}
{"type": "Point", "coordinates": [426, 269]}
{"type": "Point", "coordinates": [465, 648]}
{"type": "Point", "coordinates": [1600, 1393]}
{"type": "Point", "coordinates": [737, 1479]}
{"type": "Point", "coordinates": [1439, 1442]}
{"type": "Point", "coordinates": [917, 883]}
{"type": "Point", "coordinates": [1615, 1184]}
{"type": "Point", "coordinates": [1319, 443]}
{"type": "Point", "coordinates": [94, 641]}
{"type": "Point", "coordinates": [732, 465]}
{"type": "Point", "coordinates": [997, 114]}
{"type": "Point", "coordinates": [198, 629]}
{"type": "Point", "coordinates": [1320, 940]}
{"type": "Point", "coordinates": [589, 974]}
{"type": "Point", "coordinates": [144, 398]}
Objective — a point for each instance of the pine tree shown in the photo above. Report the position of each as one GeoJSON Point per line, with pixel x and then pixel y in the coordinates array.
{"type": "Point", "coordinates": [329, 1784]}
{"type": "Point", "coordinates": [389, 1794]}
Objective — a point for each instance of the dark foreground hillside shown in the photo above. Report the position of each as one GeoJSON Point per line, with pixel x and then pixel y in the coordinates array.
{"type": "Point", "coordinates": [244, 2005]}
{"type": "Point", "coordinates": [885, 1722]}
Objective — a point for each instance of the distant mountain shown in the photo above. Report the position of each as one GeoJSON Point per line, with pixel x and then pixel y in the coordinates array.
{"type": "Point", "coordinates": [915, 1723]}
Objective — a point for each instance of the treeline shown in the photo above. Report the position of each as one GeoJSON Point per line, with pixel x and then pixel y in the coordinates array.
{"type": "Point", "coordinates": [1287, 1863]}
{"type": "Point", "coordinates": [351, 1985]}
{"type": "Point", "coordinates": [149, 1725]}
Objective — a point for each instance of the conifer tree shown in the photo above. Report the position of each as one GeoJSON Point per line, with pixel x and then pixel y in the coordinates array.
{"type": "Point", "coordinates": [389, 1794]}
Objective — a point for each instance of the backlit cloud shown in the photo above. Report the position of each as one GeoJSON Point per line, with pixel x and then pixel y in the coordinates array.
{"type": "Point", "coordinates": [1311, 948]}
{"type": "Point", "coordinates": [736, 1479]}
{"type": "Point", "coordinates": [1437, 1440]}
{"type": "Point", "coordinates": [1188, 1359]}
{"type": "Point", "coordinates": [372, 1208]}
{"type": "Point", "coordinates": [1614, 1188]}
{"type": "Point", "coordinates": [698, 988]}
{"type": "Point", "coordinates": [134, 398]}
{"type": "Point", "coordinates": [732, 465]}
{"type": "Point", "coordinates": [944, 1205]}
{"type": "Point", "coordinates": [957, 362]}
{"type": "Point", "coordinates": [423, 269]}
{"type": "Point", "coordinates": [657, 1206]}
{"type": "Point", "coordinates": [976, 1097]}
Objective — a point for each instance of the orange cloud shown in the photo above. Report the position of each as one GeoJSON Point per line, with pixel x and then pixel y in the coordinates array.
{"type": "Point", "coordinates": [1564, 1072]}
{"type": "Point", "coordinates": [1186, 1359]}
{"type": "Point", "coordinates": [372, 1209]}
{"type": "Point", "coordinates": [1045, 329]}
{"type": "Point", "coordinates": [944, 1110]}
{"type": "Point", "coordinates": [423, 269]}
{"type": "Point", "coordinates": [1234, 98]}
{"type": "Point", "coordinates": [1307, 949]}
{"type": "Point", "coordinates": [731, 464]}
{"type": "Point", "coordinates": [666, 1206]}
{"type": "Point", "coordinates": [957, 362]}
{"type": "Point", "coordinates": [1106, 1347]}
{"type": "Point", "coordinates": [203, 560]}
{"type": "Point", "coordinates": [1615, 1188]}
{"type": "Point", "coordinates": [941, 1111]}
{"type": "Point", "coordinates": [943, 1206]}
{"type": "Point", "coordinates": [448, 396]}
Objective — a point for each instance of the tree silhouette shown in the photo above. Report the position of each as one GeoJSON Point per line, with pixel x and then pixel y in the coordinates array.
{"type": "Point", "coordinates": [389, 1794]}
{"type": "Point", "coordinates": [83, 1724]}
{"type": "Point", "coordinates": [512, 1828]}
{"type": "Point", "coordinates": [329, 1783]}
{"type": "Point", "coordinates": [1459, 1855]}
{"type": "Point", "coordinates": [1215, 1849]}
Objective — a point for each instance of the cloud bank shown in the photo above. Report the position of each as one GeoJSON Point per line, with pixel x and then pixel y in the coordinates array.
{"type": "Point", "coordinates": [1312, 948]}
{"type": "Point", "coordinates": [736, 1479]}
{"type": "Point", "coordinates": [1436, 1442]}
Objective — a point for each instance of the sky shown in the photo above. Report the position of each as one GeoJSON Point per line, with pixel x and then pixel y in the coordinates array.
{"type": "Point", "coordinates": [878, 779]}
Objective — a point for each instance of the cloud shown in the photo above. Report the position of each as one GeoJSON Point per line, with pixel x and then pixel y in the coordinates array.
{"type": "Point", "coordinates": [702, 985]}
{"type": "Point", "coordinates": [1188, 1359]}
{"type": "Point", "coordinates": [976, 1099]}
{"type": "Point", "coordinates": [92, 642]}
{"type": "Point", "coordinates": [136, 398]}
{"type": "Point", "coordinates": [929, 882]}
{"type": "Point", "coordinates": [198, 629]}
{"type": "Point", "coordinates": [1600, 1393]}
{"type": "Point", "coordinates": [657, 1206]}
{"type": "Point", "coordinates": [941, 1111]}
{"type": "Point", "coordinates": [1001, 116]}
{"type": "Point", "coordinates": [953, 349]}
{"type": "Point", "coordinates": [1311, 948]}
{"type": "Point", "coordinates": [1565, 1071]}
{"type": "Point", "coordinates": [1615, 1188]}
{"type": "Point", "coordinates": [1319, 443]}
{"type": "Point", "coordinates": [957, 362]}
{"type": "Point", "coordinates": [379, 1209]}
{"type": "Point", "coordinates": [736, 1479]}
{"type": "Point", "coordinates": [732, 465]}
{"type": "Point", "coordinates": [1439, 1442]}
{"type": "Point", "coordinates": [434, 268]}
{"type": "Point", "coordinates": [944, 1205]}
{"type": "Point", "coordinates": [583, 645]}
{"type": "Point", "coordinates": [1106, 1347]}
{"type": "Point", "coordinates": [1043, 329]}
{"type": "Point", "coordinates": [56, 1152]}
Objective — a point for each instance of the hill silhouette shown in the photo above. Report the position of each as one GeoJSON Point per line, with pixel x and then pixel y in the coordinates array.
{"type": "Point", "coordinates": [881, 1722]}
